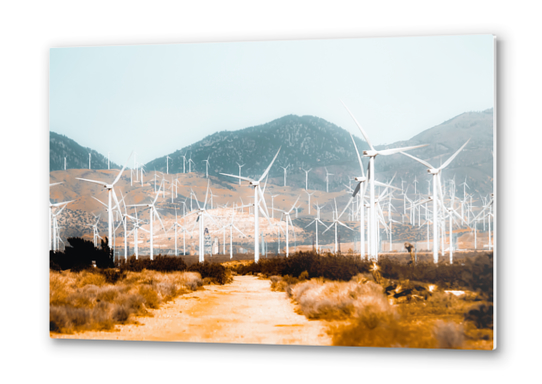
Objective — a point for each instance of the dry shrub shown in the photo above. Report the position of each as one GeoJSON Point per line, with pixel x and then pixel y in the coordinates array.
{"type": "Point", "coordinates": [278, 284]}
{"type": "Point", "coordinates": [366, 317]}
{"type": "Point", "coordinates": [448, 335]}
{"type": "Point", "coordinates": [337, 300]}
{"type": "Point", "coordinates": [90, 277]}
{"type": "Point", "coordinates": [81, 301]}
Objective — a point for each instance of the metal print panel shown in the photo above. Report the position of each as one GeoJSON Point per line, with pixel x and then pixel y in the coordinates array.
{"type": "Point", "coordinates": [318, 192]}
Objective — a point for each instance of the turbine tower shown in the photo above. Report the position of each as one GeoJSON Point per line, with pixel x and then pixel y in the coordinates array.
{"type": "Point", "coordinates": [285, 168]}
{"type": "Point", "coordinates": [152, 213]}
{"type": "Point", "coordinates": [327, 179]}
{"type": "Point", "coordinates": [257, 193]}
{"type": "Point", "coordinates": [436, 187]}
{"type": "Point", "coordinates": [240, 166]}
{"type": "Point", "coordinates": [306, 178]}
{"type": "Point", "coordinates": [110, 195]}
{"type": "Point", "coordinates": [371, 154]}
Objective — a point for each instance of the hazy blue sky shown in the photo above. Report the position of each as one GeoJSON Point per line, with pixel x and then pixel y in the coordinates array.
{"type": "Point", "coordinates": [159, 98]}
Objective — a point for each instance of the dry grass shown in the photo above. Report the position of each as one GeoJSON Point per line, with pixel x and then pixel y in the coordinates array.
{"type": "Point", "coordinates": [360, 313]}
{"type": "Point", "coordinates": [81, 301]}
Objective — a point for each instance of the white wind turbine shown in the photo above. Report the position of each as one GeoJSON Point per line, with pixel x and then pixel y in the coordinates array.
{"type": "Point", "coordinates": [336, 221]}
{"type": "Point", "coordinates": [110, 195]}
{"type": "Point", "coordinates": [190, 162]}
{"type": "Point", "coordinates": [231, 226]}
{"type": "Point", "coordinates": [95, 233]}
{"type": "Point", "coordinates": [288, 220]}
{"type": "Point", "coordinates": [362, 185]}
{"type": "Point", "coordinates": [240, 166]}
{"type": "Point", "coordinates": [53, 218]}
{"type": "Point", "coordinates": [176, 225]}
{"type": "Point", "coordinates": [152, 214]}
{"type": "Point", "coordinates": [327, 179]}
{"type": "Point", "coordinates": [137, 226]}
{"type": "Point", "coordinates": [257, 193]}
{"type": "Point", "coordinates": [316, 221]}
{"type": "Point", "coordinates": [184, 162]}
{"type": "Point", "coordinates": [201, 212]}
{"type": "Point", "coordinates": [206, 161]}
{"type": "Point", "coordinates": [371, 154]}
{"type": "Point", "coordinates": [436, 188]}
{"type": "Point", "coordinates": [285, 168]}
{"type": "Point", "coordinates": [309, 202]}
{"type": "Point", "coordinates": [306, 178]}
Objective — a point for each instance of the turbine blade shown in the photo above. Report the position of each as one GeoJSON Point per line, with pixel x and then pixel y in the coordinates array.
{"type": "Point", "coordinates": [93, 181]}
{"type": "Point", "coordinates": [447, 162]}
{"type": "Point", "coordinates": [359, 126]}
{"type": "Point", "coordinates": [359, 157]}
{"type": "Point", "coordinates": [238, 177]}
{"type": "Point", "coordinates": [270, 165]}
{"type": "Point", "coordinates": [122, 170]}
{"type": "Point", "coordinates": [419, 160]}
{"type": "Point", "coordinates": [387, 152]}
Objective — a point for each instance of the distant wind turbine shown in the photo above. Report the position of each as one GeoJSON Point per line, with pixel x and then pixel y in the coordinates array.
{"type": "Point", "coordinates": [110, 195]}
{"type": "Point", "coordinates": [257, 194]}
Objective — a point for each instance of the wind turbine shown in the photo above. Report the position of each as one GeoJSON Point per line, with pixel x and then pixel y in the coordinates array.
{"type": "Point", "coordinates": [336, 221]}
{"type": "Point", "coordinates": [206, 167]}
{"type": "Point", "coordinates": [176, 225]}
{"type": "Point", "coordinates": [152, 213]}
{"type": "Point", "coordinates": [307, 178]}
{"type": "Point", "coordinates": [231, 225]}
{"type": "Point", "coordinates": [288, 220]}
{"type": "Point", "coordinates": [137, 226]}
{"type": "Point", "coordinates": [257, 193]}
{"type": "Point", "coordinates": [316, 221]}
{"type": "Point", "coordinates": [53, 218]}
{"type": "Point", "coordinates": [240, 166]}
{"type": "Point", "coordinates": [201, 212]}
{"type": "Point", "coordinates": [371, 154]}
{"type": "Point", "coordinates": [184, 162]}
{"type": "Point", "coordinates": [436, 186]}
{"type": "Point", "coordinates": [362, 185]}
{"type": "Point", "coordinates": [309, 203]}
{"type": "Point", "coordinates": [285, 168]}
{"type": "Point", "coordinates": [327, 179]}
{"type": "Point", "coordinates": [190, 161]}
{"type": "Point", "coordinates": [167, 165]}
{"type": "Point", "coordinates": [110, 195]}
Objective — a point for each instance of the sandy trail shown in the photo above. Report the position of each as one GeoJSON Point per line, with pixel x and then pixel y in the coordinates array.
{"type": "Point", "coordinates": [245, 311]}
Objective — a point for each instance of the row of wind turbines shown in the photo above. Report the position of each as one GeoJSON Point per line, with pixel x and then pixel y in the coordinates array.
{"type": "Point", "coordinates": [358, 203]}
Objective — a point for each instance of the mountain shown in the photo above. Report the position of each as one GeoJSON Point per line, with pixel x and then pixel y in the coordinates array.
{"type": "Point", "coordinates": [61, 147]}
{"type": "Point", "coordinates": [311, 142]}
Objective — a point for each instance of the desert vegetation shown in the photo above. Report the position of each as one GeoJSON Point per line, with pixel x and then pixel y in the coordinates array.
{"type": "Point", "coordinates": [390, 304]}
{"type": "Point", "coordinates": [98, 299]}
{"type": "Point", "coordinates": [89, 292]}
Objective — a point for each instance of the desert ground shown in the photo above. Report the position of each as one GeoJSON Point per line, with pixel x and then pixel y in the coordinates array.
{"type": "Point", "coordinates": [245, 311]}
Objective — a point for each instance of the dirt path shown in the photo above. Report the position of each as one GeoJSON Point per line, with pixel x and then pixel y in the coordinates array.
{"type": "Point", "coordinates": [245, 311]}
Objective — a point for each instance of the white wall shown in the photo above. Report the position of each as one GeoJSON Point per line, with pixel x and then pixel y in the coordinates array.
{"type": "Point", "coordinates": [29, 29]}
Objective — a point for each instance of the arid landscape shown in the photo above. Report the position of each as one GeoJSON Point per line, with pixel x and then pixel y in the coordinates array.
{"type": "Point", "coordinates": [205, 220]}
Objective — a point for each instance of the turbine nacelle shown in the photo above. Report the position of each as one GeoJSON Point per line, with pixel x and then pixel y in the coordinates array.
{"type": "Point", "coordinates": [254, 183]}
{"type": "Point", "coordinates": [360, 179]}
{"type": "Point", "coordinates": [370, 153]}
{"type": "Point", "coordinates": [433, 171]}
